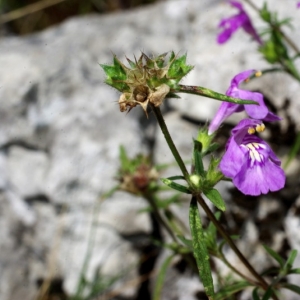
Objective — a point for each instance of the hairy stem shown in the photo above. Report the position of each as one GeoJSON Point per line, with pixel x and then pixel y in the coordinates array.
{"type": "Point", "coordinates": [200, 200]}
{"type": "Point", "coordinates": [232, 245]}
{"type": "Point", "coordinates": [201, 91]}
{"type": "Point", "coordinates": [170, 142]}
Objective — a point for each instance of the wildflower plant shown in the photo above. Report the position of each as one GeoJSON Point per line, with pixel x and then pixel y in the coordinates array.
{"type": "Point", "coordinates": [247, 161]}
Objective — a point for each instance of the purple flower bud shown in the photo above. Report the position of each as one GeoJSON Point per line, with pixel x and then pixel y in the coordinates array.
{"type": "Point", "coordinates": [232, 24]}
{"type": "Point", "coordinates": [250, 162]}
{"type": "Point", "coordinates": [226, 109]}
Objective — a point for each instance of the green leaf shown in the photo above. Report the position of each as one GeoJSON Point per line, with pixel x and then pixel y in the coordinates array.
{"type": "Point", "coordinates": [200, 250]}
{"type": "Point", "coordinates": [109, 193]}
{"type": "Point", "coordinates": [227, 291]}
{"type": "Point", "coordinates": [125, 162]}
{"type": "Point", "coordinates": [211, 229]}
{"type": "Point", "coordinates": [176, 177]}
{"type": "Point", "coordinates": [131, 63]}
{"type": "Point", "coordinates": [214, 175]}
{"type": "Point", "coordinates": [161, 277]}
{"type": "Point", "coordinates": [291, 287]}
{"type": "Point", "coordinates": [268, 294]}
{"type": "Point", "coordinates": [294, 271]}
{"type": "Point", "coordinates": [268, 51]}
{"type": "Point", "coordinates": [275, 255]}
{"type": "Point", "coordinates": [199, 168]}
{"type": "Point", "coordinates": [255, 295]}
{"type": "Point", "coordinates": [172, 56]}
{"type": "Point", "coordinates": [265, 14]}
{"type": "Point", "coordinates": [176, 186]}
{"type": "Point", "coordinates": [212, 148]}
{"type": "Point", "coordinates": [294, 150]}
{"type": "Point", "coordinates": [186, 242]}
{"type": "Point", "coordinates": [290, 261]}
{"type": "Point", "coordinates": [116, 74]}
{"type": "Point", "coordinates": [211, 234]}
{"type": "Point", "coordinates": [178, 68]}
{"type": "Point", "coordinates": [214, 196]}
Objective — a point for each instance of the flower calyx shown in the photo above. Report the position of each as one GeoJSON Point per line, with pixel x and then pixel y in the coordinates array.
{"type": "Point", "coordinates": [143, 95]}
{"type": "Point", "coordinates": [137, 175]}
{"type": "Point", "coordinates": [147, 80]}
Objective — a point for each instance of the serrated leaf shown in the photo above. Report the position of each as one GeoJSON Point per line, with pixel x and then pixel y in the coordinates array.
{"type": "Point", "coordinates": [161, 277]}
{"type": "Point", "coordinates": [178, 68]}
{"type": "Point", "coordinates": [214, 196]}
{"type": "Point", "coordinates": [227, 291]}
{"type": "Point", "coordinates": [275, 255]}
{"type": "Point", "coordinates": [176, 186]}
{"type": "Point", "coordinates": [291, 287]}
{"type": "Point", "coordinates": [116, 74]}
{"type": "Point", "coordinates": [200, 250]}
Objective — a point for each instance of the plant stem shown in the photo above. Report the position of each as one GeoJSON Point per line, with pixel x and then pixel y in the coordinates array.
{"type": "Point", "coordinates": [200, 200]}
{"type": "Point", "coordinates": [170, 142]}
{"type": "Point", "coordinates": [230, 242]}
{"type": "Point", "coordinates": [230, 266]}
{"type": "Point", "coordinates": [201, 91]}
{"type": "Point", "coordinates": [159, 217]}
{"type": "Point", "coordinates": [287, 39]}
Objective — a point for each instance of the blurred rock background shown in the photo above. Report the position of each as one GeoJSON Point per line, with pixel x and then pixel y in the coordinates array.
{"type": "Point", "coordinates": [61, 130]}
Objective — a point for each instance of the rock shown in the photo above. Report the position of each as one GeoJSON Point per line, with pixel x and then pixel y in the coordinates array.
{"type": "Point", "coordinates": [61, 130]}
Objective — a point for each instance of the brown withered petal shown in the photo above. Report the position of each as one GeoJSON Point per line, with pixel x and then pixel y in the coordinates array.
{"type": "Point", "coordinates": [157, 97]}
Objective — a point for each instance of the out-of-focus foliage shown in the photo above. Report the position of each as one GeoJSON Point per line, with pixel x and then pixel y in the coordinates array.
{"type": "Point", "coordinates": [39, 15]}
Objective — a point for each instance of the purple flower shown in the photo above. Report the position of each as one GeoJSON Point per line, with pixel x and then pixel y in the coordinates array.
{"type": "Point", "coordinates": [250, 162]}
{"type": "Point", "coordinates": [226, 109]}
{"type": "Point", "coordinates": [232, 24]}
{"type": "Point", "coordinates": [298, 4]}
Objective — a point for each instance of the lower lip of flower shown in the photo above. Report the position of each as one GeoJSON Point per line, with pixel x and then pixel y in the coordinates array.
{"type": "Point", "coordinates": [254, 154]}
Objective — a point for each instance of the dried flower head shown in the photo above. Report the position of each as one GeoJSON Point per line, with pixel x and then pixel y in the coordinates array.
{"type": "Point", "coordinates": [146, 80]}
{"type": "Point", "coordinates": [136, 175]}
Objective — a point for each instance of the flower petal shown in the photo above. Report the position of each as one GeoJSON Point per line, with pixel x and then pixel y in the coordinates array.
{"type": "Point", "coordinates": [271, 117]}
{"type": "Point", "coordinates": [254, 111]}
{"type": "Point", "coordinates": [236, 80]}
{"type": "Point", "coordinates": [236, 4]}
{"type": "Point", "coordinates": [229, 25]}
{"type": "Point", "coordinates": [225, 110]}
{"type": "Point", "coordinates": [232, 160]}
{"type": "Point", "coordinates": [259, 179]}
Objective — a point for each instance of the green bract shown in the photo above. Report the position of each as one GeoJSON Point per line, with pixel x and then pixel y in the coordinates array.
{"type": "Point", "coordinates": [147, 79]}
